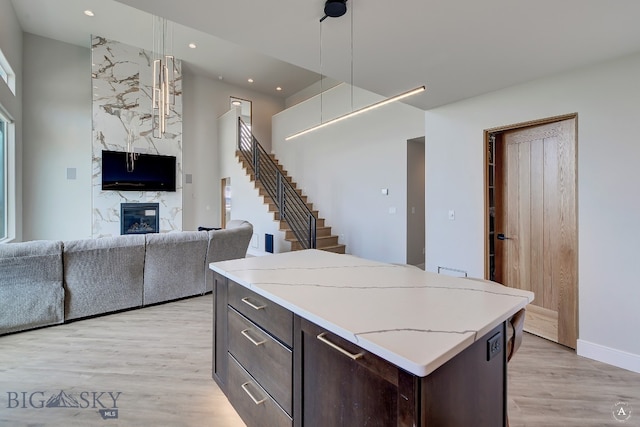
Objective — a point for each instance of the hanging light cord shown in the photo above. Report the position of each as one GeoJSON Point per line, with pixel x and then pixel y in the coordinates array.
{"type": "Point", "coordinates": [351, 54]}
{"type": "Point", "coordinates": [321, 76]}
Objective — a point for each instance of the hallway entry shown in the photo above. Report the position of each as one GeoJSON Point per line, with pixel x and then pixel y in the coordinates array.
{"type": "Point", "coordinates": [416, 234]}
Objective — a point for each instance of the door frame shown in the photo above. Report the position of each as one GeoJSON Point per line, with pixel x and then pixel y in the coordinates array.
{"type": "Point", "coordinates": [521, 125]}
{"type": "Point", "coordinates": [223, 200]}
{"type": "Point", "coordinates": [485, 171]}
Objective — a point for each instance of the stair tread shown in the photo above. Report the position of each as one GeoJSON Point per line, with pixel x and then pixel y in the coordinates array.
{"type": "Point", "coordinates": [331, 236]}
{"type": "Point", "coordinates": [324, 227]}
{"type": "Point", "coordinates": [283, 226]}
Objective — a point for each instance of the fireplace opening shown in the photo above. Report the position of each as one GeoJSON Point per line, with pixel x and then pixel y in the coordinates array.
{"type": "Point", "coordinates": [139, 218]}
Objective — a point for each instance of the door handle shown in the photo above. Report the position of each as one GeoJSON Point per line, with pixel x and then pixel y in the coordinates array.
{"type": "Point", "coordinates": [502, 237]}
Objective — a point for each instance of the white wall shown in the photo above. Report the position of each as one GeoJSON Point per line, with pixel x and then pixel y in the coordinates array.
{"type": "Point", "coordinates": [57, 136]}
{"type": "Point", "coordinates": [312, 90]}
{"type": "Point", "coordinates": [343, 167]}
{"type": "Point", "coordinates": [205, 100]}
{"type": "Point", "coordinates": [607, 100]}
{"type": "Point", "coordinates": [11, 42]}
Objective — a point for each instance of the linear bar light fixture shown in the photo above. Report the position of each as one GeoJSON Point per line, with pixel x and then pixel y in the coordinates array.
{"type": "Point", "coordinates": [163, 90]}
{"type": "Point", "coordinates": [359, 111]}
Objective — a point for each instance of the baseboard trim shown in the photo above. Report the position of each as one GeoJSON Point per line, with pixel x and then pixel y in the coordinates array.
{"type": "Point", "coordinates": [610, 356]}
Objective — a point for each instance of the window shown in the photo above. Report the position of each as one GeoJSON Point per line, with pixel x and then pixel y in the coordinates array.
{"type": "Point", "coordinates": [7, 173]}
{"type": "Point", "coordinates": [7, 74]}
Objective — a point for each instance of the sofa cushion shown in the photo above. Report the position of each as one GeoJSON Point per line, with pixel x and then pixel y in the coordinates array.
{"type": "Point", "coordinates": [174, 265]}
{"type": "Point", "coordinates": [229, 243]}
{"type": "Point", "coordinates": [31, 291]}
{"type": "Point", "coordinates": [103, 275]}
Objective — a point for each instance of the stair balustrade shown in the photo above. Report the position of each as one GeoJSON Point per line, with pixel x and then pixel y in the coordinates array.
{"type": "Point", "coordinates": [291, 206]}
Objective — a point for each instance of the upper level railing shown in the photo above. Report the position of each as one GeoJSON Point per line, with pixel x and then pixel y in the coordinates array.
{"type": "Point", "coordinates": [293, 209]}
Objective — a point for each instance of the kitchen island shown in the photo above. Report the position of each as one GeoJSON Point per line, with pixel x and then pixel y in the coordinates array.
{"type": "Point", "coordinates": [313, 338]}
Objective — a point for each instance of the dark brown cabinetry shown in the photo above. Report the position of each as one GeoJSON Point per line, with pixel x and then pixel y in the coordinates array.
{"type": "Point", "coordinates": [364, 389]}
{"type": "Point", "coordinates": [278, 369]}
{"type": "Point", "coordinates": [253, 360]}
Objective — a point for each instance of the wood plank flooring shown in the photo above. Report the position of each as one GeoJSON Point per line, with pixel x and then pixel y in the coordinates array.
{"type": "Point", "coordinates": [549, 385]}
{"type": "Point", "coordinates": [159, 358]}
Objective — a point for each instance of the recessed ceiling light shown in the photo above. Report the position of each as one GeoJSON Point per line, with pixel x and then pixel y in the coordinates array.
{"type": "Point", "coordinates": [278, 88]}
{"type": "Point", "coordinates": [250, 80]}
{"type": "Point", "coordinates": [192, 45]}
{"type": "Point", "coordinates": [88, 12]}
{"type": "Point", "coordinates": [236, 103]}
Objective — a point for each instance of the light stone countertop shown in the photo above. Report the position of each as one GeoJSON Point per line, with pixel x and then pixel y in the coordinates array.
{"type": "Point", "coordinates": [414, 319]}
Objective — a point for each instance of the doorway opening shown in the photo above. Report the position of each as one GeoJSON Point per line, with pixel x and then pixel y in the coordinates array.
{"type": "Point", "coordinates": [225, 201]}
{"type": "Point", "coordinates": [244, 108]}
{"type": "Point", "coordinates": [531, 220]}
{"type": "Point", "coordinates": [416, 202]}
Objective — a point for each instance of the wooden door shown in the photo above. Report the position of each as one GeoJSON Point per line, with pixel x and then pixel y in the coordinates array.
{"type": "Point", "coordinates": [536, 225]}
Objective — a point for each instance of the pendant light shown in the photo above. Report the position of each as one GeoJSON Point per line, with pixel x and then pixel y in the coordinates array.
{"type": "Point", "coordinates": [335, 9]}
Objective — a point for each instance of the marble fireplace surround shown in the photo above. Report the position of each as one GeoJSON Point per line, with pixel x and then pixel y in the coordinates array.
{"type": "Point", "coordinates": [121, 78]}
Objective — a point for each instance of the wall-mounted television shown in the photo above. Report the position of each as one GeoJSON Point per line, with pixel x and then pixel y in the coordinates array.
{"type": "Point", "coordinates": [150, 172]}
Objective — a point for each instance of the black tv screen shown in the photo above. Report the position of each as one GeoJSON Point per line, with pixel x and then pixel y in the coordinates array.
{"type": "Point", "coordinates": [150, 172]}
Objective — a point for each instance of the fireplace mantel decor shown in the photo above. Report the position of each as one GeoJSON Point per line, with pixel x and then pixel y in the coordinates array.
{"type": "Point", "coordinates": [139, 218]}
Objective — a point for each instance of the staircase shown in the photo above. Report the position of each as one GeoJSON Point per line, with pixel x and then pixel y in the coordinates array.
{"type": "Point", "coordinates": [301, 224]}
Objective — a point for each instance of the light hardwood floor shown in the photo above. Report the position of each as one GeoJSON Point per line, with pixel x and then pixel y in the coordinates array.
{"type": "Point", "coordinates": [159, 358]}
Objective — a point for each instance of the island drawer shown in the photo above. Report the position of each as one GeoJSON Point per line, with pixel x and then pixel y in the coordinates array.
{"type": "Point", "coordinates": [254, 405]}
{"type": "Point", "coordinates": [266, 359]}
{"type": "Point", "coordinates": [271, 317]}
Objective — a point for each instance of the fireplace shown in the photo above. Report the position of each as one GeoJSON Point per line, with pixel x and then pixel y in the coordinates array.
{"type": "Point", "coordinates": [139, 218]}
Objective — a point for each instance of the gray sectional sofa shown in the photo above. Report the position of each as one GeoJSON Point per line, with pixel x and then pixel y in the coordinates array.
{"type": "Point", "coordinates": [31, 290]}
{"type": "Point", "coordinates": [49, 282]}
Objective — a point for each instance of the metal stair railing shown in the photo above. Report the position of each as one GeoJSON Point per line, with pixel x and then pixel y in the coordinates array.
{"type": "Point", "coordinates": [292, 208]}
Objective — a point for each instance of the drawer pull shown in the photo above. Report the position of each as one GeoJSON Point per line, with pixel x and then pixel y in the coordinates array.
{"type": "Point", "coordinates": [246, 390]}
{"type": "Point", "coordinates": [247, 336]}
{"type": "Point", "coordinates": [340, 349]}
{"type": "Point", "coordinates": [252, 305]}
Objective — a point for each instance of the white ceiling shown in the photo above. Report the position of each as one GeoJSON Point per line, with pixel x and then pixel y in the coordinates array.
{"type": "Point", "coordinates": [458, 48]}
{"type": "Point", "coordinates": [64, 20]}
